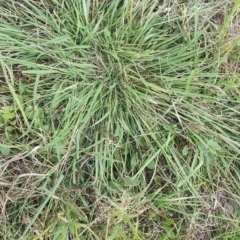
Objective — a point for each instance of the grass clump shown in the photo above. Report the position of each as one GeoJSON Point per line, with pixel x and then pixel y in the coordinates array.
{"type": "Point", "coordinates": [119, 120]}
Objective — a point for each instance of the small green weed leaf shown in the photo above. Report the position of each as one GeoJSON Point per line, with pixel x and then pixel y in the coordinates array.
{"type": "Point", "coordinates": [39, 118]}
{"type": "Point", "coordinates": [116, 233]}
{"type": "Point", "coordinates": [61, 150]}
{"type": "Point", "coordinates": [152, 215]}
{"type": "Point", "coordinates": [114, 185]}
{"type": "Point", "coordinates": [21, 87]}
{"type": "Point", "coordinates": [131, 182]}
{"type": "Point", "coordinates": [45, 127]}
{"type": "Point", "coordinates": [151, 165]}
{"type": "Point", "coordinates": [185, 151]}
{"type": "Point", "coordinates": [7, 116]}
{"type": "Point", "coordinates": [213, 145]}
{"type": "Point", "coordinates": [4, 150]}
{"type": "Point", "coordinates": [1, 120]}
{"type": "Point", "coordinates": [163, 236]}
{"type": "Point", "coordinates": [169, 222]}
{"type": "Point", "coordinates": [155, 216]}
{"type": "Point", "coordinates": [134, 161]}
{"type": "Point", "coordinates": [160, 203]}
{"type": "Point", "coordinates": [8, 113]}
{"type": "Point", "coordinates": [38, 96]}
{"type": "Point", "coordinates": [13, 122]}
{"type": "Point", "coordinates": [202, 147]}
{"type": "Point", "coordinates": [169, 231]}
{"type": "Point", "coordinates": [210, 159]}
{"type": "Point", "coordinates": [29, 112]}
{"type": "Point", "coordinates": [10, 128]}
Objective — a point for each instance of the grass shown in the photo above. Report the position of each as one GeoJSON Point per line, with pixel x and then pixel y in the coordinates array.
{"type": "Point", "coordinates": [119, 119]}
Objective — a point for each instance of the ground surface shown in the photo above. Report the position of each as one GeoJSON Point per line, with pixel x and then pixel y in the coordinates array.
{"type": "Point", "coordinates": [119, 119]}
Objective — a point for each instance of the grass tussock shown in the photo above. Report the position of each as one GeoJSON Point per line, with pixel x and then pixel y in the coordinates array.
{"type": "Point", "coordinates": [119, 119]}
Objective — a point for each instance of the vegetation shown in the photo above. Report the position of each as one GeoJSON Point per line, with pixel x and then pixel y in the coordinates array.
{"type": "Point", "coordinates": [119, 119]}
